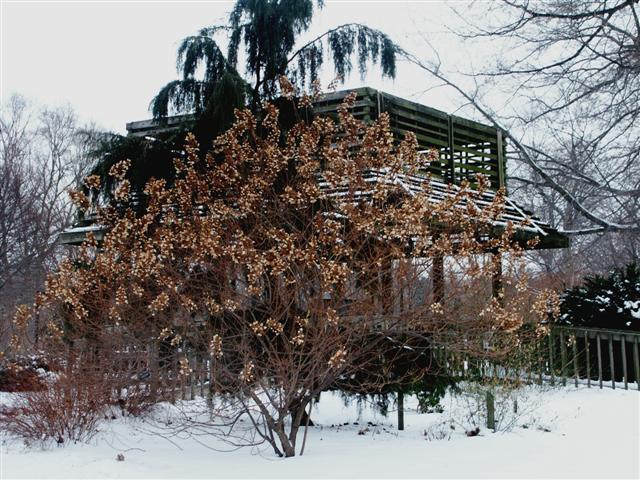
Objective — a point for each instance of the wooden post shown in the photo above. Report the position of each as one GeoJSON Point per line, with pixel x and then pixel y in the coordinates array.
{"type": "Point", "coordinates": [202, 373]}
{"type": "Point", "coordinates": [154, 376]}
{"type": "Point", "coordinates": [563, 358]}
{"type": "Point", "coordinates": [529, 369]}
{"type": "Point", "coordinates": [183, 384]}
{"type": "Point", "coordinates": [400, 410]}
{"type": "Point", "coordinates": [540, 364]}
{"type": "Point", "coordinates": [192, 376]}
{"type": "Point", "coordinates": [551, 372]}
{"type": "Point", "coordinates": [496, 278]}
{"type": "Point", "coordinates": [611, 365]}
{"type": "Point", "coordinates": [575, 358]}
{"type": "Point", "coordinates": [586, 346]}
{"type": "Point", "coordinates": [636, 361]}
{"type": "Point", "coordinates": [624, 362]}
{"type": "Point", "coordinates": [175, 384]}
{"type": "Point", "coordinates": [437, 271]}
{"type": "Point", "coordinates": [211, 373]}
{"type": "Point", "coordinates": [599, 359]}
{"type": "Point", "coordinates": [491, 411]}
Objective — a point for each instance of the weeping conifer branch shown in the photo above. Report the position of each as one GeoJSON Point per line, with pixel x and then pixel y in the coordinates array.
{"type": "Point", "coordinates": [210, 84]}
{"type": "Point", "coordinates": [267, 33]}
{"type": "Point", "coordinates": [372, 47]}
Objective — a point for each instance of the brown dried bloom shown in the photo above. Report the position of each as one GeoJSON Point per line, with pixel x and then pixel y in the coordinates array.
{"type": "Point", "coordinates": [120, 169]}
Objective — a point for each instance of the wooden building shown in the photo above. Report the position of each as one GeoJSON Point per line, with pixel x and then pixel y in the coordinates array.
{"type": "Point", "coordinates": [466, 148]}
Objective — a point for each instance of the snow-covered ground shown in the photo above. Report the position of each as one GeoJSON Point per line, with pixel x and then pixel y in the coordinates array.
{"type": "Point", "coordinates": [559, 433]}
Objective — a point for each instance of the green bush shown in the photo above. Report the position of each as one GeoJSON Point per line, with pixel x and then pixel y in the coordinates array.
{"type": "Point", "coordinates": [611, 301]}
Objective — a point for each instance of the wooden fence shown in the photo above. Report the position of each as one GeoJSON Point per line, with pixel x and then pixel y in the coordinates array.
{"type": "Point", "coordinates": [593, 356]}
{"type": "Point", "coordinates": [568, 355]}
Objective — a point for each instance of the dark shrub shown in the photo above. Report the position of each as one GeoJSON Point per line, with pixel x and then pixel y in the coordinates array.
{"type": "Point", "coordinates": [611, 301]}
{"type": "Point", "coordinates": [22, 373]}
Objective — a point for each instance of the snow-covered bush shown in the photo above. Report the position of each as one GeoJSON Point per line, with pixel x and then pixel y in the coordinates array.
{"type": "Point", "coordinates": [67, 408]}
{"type": "Point", "coordinates": [512, 404]}
{"type": "Point", "coordinates": [611, 301]}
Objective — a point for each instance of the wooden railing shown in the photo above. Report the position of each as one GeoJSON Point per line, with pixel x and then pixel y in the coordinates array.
{"type": "Point", "coordinates": [568, 355]}
{"type": "Point", "coordinates": [465, 147]}
{"type": "Point", "coordinates": [593, 356]}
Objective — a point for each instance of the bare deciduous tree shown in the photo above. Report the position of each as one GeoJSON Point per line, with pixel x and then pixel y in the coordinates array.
{"type": "Point", "coordinates": [571, 72]}
{"type": "Point", "coordinates": [43, 152]}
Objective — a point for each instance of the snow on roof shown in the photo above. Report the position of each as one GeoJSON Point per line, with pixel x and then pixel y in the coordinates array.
{"type": "Point", "coordinates": [438, 191]}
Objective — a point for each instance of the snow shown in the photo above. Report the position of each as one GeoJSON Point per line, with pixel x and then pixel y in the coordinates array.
{"type": "Point", "coordinates": [559, 433]}
{"type": "Point", "coordinates": [634, 307]}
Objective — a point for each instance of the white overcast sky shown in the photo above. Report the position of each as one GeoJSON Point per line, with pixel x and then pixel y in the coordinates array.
{"type": "Point", "coordinates": [109, 58]}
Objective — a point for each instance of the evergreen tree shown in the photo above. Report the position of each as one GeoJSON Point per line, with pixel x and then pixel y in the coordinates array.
{"type": "Point", "coordinates": [211, 85]}
{"type": "Point", "coordinates": [611, 301]}
{"type": "Point", "coordinates": [267, 31]}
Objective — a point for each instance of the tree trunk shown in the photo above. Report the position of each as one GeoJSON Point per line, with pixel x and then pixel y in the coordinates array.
{"type": "Point", "coordinates": [288, 443]}
{"type": "Point", "coordinates": [304, 419]}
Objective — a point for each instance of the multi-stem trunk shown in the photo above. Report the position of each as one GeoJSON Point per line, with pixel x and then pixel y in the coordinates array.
{"type": "Point", "coordinates": [288, 441]}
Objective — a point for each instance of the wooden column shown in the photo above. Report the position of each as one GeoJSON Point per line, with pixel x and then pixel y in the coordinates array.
{"type": "Point", "coordinates": [400, 410]}
{"type": "Point", "coordinates": [491, 411]}
{"type": "Point", "coordinates": [437, 272]}
{"type": "Point", "coordinates": [496, 279]}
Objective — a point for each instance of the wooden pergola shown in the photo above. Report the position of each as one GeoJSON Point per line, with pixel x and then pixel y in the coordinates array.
{"type": "Point", "coordinates": [466, 148]}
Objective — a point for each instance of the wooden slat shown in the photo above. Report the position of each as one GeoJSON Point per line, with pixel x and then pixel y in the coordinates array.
{"type": "Point", "coordinates": [501, 161]}
{"type": "Point", "coordinates": [477, 169]}
{"type": "Point", "coordinates": [586, 346]}
{"type": "Point", "coordinates": [599, 359]}
{"type": "Point", "coordinates": [624, 362]}
{"type": "Point", "coordinates": [451, 168]}
{"type": "Point", "coordinates": [611, 365]}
